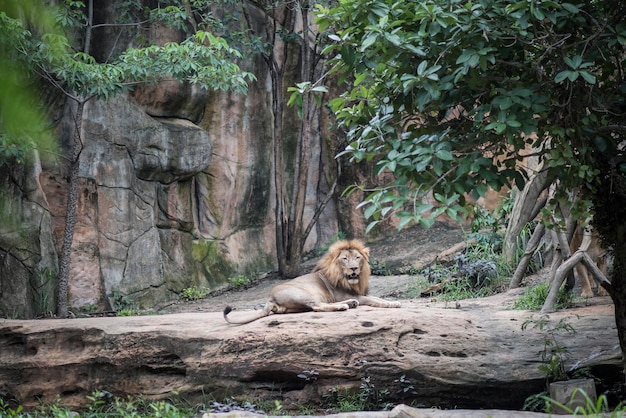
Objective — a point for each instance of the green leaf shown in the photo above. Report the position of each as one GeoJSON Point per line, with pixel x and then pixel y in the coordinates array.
{"type": "Point", "coordinates": [562, 76]}
{"type": "Point", "coordinates": [370, 226]}
{"type": "Point", "coordinates": [369, 41]}
{"type": "Point", "coordinates": [444, 155]}
{"type": "Point", "coordinates": [570, 8]}
{"type": "Point", "coordinates": [589, 78]}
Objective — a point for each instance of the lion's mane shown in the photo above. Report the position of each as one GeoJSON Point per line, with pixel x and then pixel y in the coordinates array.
{"type": "Point", "coordinates": [330, 266]}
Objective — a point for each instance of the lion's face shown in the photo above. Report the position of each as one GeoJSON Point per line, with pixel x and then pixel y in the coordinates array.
{"type": "Point", "coordinates": [351, 262]}
{"type": "Point", "coordinates": [346, 265]}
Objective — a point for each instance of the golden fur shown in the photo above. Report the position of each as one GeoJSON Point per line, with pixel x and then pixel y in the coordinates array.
{"type": "Point", "coordinates": [339, 282]}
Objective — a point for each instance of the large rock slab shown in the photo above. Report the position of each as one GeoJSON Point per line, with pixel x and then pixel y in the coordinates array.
{"type": "Point", "coordinates": [404, 411]}
{"type": "Point", "coordinates": [473, 356]}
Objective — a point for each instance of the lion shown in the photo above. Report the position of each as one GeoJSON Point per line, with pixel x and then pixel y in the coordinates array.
{"type": "Point", "coordinates": [339, 282]}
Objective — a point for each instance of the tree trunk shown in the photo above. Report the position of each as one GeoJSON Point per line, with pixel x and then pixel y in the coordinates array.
{"type": "Point", "coordinates": [291, 233]}
{"type": "Point", "coordinates": [525, 208]}
{"type": "Point", "coordinates": [531, 247]}
{"type": "Point", "coordinates": [609, 220]}
{"type": "Point", "coordinates": [298, 233]}
{"type": "Point", "coordinates": [72, 194]}
{"type": "Point", "coordinates": [70, 213]}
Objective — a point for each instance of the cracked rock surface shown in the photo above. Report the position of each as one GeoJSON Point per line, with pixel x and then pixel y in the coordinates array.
{"type": "Point", "coordinates": [474, 356]}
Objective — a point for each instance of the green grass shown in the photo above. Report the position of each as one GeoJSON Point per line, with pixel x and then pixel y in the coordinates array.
{"type": "Point", "coordinates": [534, 297]}
{"type": "Point", "coordinates": [193, 293]}
{"type": "Point", "coordinates": [542, 402]}
{"type": "Point", "coordinates": [239, 281]}
{"type": "Point", "coordinates": [103, 405]}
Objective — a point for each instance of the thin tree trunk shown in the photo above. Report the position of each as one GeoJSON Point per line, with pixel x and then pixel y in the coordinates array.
{"type": "Point", "coordinates": [291, 234]}
{"type": "Point", "coordinates": [525, 208]}
{"type": "Point", "coordinates": [70, 214]}
{"type": "Point", "coordinates": [72, 194]}
{"type": "Point", "coordinates": [531, 247]}
{"type": "Point", "coordinates": [303, 153]}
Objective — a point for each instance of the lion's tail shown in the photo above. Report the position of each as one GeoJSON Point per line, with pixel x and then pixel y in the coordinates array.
{"type": "Point", "coordinates": [266, 311]}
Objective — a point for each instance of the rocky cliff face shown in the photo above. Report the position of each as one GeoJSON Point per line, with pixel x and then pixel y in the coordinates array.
{"type": "Point", "coordinates": [175, 192]}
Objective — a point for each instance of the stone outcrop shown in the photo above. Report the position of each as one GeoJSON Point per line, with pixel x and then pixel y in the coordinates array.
{"type": "Point", "coordinates": [175, 192]}
{"type": "Point", "coordinates": [28, 260]}
{"type": "Point", "coordinates": [473, 356]}
{"type": "Point", "coordinates": [404, 411]}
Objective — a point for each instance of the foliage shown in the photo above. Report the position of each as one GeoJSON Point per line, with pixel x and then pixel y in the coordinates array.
{"type": "Point", "coordinates": [599, 408]}
{"type": "Point", "coordinates": [492, 221]}
{"type": "Point", "coordinates": [129, 312]}
{"type": "Point", "coordinates": [367, 398]}
{"type": "Point", "coordinates": [479, 271]}
{"type": "Point", "coordinates": [309, 375]}
{"type": "Point", "coordinates": [534, 297]}
{"type": "Point", "coordinates": [406, 387]}
{"type": "Point", "coordinates": [193, 293]}
{"type": "Point", "coordinates": [49, 48]}
{"type": "Point", "coordinates": [450, 97]}
{"type": "Point", "coordinates": [22, 123]}
{"type": "Point", "coordinates": [123, 305]}
{"type": "Point", "coordinates": [103, 405]}
{"type": "Point", "coordinates": [536, 402]}
{"type": "Point", "coordinates": [239, 281]}
{"type": "Point", "coordinates": [379, 268]}
{"type": "Point", "coordinates": [230, 405]}
{"type": "Point", "coordinates": [554, 353]}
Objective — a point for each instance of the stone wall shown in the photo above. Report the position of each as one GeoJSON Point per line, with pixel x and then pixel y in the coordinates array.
{"type": "Point", "coordinates": [175, 192]}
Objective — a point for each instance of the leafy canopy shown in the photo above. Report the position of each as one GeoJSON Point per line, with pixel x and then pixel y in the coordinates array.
{"type": "Point", "coordinates": [453, 96]}
{"type": "Point", "coordinates": [52, 51]}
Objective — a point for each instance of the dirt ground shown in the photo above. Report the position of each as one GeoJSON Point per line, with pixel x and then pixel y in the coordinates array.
{"type": "Point", "coordinates": [413, 248]}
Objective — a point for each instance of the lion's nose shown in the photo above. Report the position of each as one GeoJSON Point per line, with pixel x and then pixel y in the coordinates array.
{"type": "Point", "coordinates": [354, 269]}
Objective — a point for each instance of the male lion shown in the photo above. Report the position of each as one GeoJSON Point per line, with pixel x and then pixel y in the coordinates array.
{"type": "Point", "coordinates": [338, 282]}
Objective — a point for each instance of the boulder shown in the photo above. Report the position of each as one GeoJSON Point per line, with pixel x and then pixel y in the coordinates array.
{"type": "Point", "coordinates": [468, 355]}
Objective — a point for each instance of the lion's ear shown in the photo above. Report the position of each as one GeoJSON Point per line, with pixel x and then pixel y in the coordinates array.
{"type": "Point", "coordinates": [366, 252]}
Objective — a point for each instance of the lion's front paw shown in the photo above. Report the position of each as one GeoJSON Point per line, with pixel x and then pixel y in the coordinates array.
{"type": "Point", "coordinates": [352, 303]}
{"type": "Point", "coordinates": [395, 305]}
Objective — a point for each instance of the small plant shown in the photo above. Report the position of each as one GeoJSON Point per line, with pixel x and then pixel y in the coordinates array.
{"type": "Point", "coordinates": [7, 411]}
{"type": "Point", "coordinates": [534, 297]}
{"type": "Point", "coordinates": [379, 268]}
{"type": "Point", "coordinates": [590, 409]}
{"type": "Point", "coordinates": [239, 281]}
{"type": "Point", "coordinates": [366, 399]}
{"type": "Point", "coordinates": [230, 405]}
{"type": "Point", "coordinates": [406, 387]}
{"type": "Point", "coordinates": [554, 353]}
{"type": "Point", "coordinates": [409, 269]}
{"type": "Point", "coordinates": [309, 375]}
{"type": "Point", "coordinates": [553, 357]}
{"type": "Point", "coordinates": [536, 402]}
{"type": "Point", "coordinates": [193, 293]}
{"type": "Point", "coordinates": [87, 310]}
{"type": "Point", "coordinates": [41, 283]}
{"type": "Point", "coordinates": [463, 288]}
{"type": "Point", "coordinates": [103, 404]}
{"type": "Point", "coordinates": [120, 300]}
{"type": "Point", "coordinates": [128, 312]}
